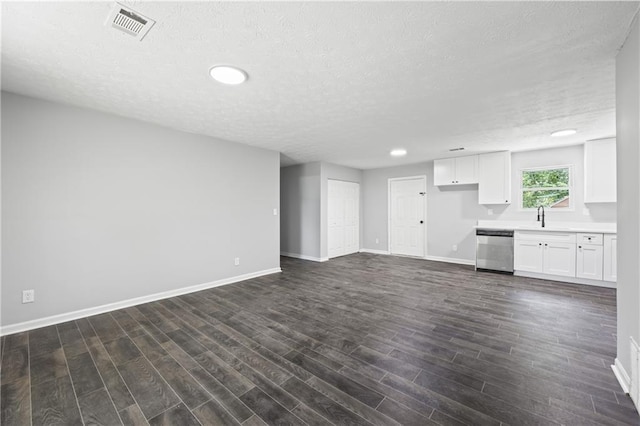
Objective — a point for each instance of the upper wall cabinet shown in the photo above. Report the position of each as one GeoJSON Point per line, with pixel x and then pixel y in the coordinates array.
{"type": "Point", "coordinates": [455, 171]}
{"type": "Point", "coordinates": [600, 171]}
{"type": "Point", "coordinates": [494, 178]}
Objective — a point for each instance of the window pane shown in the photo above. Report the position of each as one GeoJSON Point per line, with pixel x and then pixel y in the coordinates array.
{"type": "Point", "coordinates": [552, 178]}
{"type": "Point", "coordinates": [549, 198]}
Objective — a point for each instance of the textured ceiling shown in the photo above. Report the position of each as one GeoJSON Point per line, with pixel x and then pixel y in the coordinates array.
{"type": "Point", "coordinates": [336, 82]}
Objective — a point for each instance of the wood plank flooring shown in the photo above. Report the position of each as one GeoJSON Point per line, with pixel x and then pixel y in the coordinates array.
{"type": "Point", "coordinates": [363, 339]}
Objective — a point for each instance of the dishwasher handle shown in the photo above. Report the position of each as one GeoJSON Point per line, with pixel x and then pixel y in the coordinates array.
{"type": "Point", "coordinates": [495, 232]}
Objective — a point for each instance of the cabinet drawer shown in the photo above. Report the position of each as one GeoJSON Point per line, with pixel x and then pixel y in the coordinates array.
{"type": "Point", "coordinates": [594, 239]}
{"type": "Point", "coordinates": [558, 237]}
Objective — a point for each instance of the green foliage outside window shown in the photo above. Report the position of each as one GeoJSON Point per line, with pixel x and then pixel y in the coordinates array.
{"type": "Point", "coordinates": [546, 187]}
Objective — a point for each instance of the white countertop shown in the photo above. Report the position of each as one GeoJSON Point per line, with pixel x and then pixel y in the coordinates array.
{"type": "Point", "coordinates": [599, 228]}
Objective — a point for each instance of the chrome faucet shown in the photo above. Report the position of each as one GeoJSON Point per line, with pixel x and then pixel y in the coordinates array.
{"type": "Point", "coordinates": [541, 207]}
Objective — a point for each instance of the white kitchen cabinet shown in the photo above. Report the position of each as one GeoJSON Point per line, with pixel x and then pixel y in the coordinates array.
{"type": "Point", "coordinates": [551, 253]}
{"type": "Point", "coordinates": [467, 169]}
{"type": "Point", "coordinates": [527, 256]}
{"type": "Point", "coordinates": [444, 171]}
{"type": "Point", "coordinates": [600, 171]}
{"type": "Point", "coordinates": [559, 259]}
{"type": "Point", "coordinates": [610, 258]}
{"type": "Point", "coordinates": [589, 261]}
{"type": "Point", "coordinates": [455, 171]}
{"type": "Point", "coordinates": [589, 256]}
{"type": "Point", "coordinates": [494, 178]}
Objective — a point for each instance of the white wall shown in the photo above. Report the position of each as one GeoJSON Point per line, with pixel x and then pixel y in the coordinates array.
{"type": "Point", "coordinates": [375, 202]}
{"type": "Point", "coordinates": [452, 211]}
{"type": "Point", "coordinates": [304, 205]}
{"type": "Point", "coordinates": [628, 158]}
{"type": "Point", "coordinates": [97, 209]}
{"type": "Point", "coordinates": [571, 155]}
{"type": "Point", "coordinates": [300, 207]}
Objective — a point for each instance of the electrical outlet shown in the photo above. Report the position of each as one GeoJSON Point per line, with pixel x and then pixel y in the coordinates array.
{"type": "Point", "coordinates": [455, 247]}
{"type": "Point", "coordinates": [28, 296]}
{"type": "Point", "coordinates": [377, 241]}
{"type": "Point", "coordinates": [275, 212]}
{"type": "Point", "coordinates": [490, 212]}
{"type": "Point", "coordinates": [236, 261]}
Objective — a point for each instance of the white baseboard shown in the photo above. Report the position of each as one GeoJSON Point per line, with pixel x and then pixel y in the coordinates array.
{"type": "Point", "coordinates": [621, 375]}
{"type": "Point", "coordinates": [82, 313]}
{"type": "Point", "coordinates": [634, 389]}
{"type": "Point", "coordinates": [373, 251]}
{"type": "Point", "coordinates": [304, 257]}
{"type": "Point", "coordinates": [451, 260]}
{"type": "Point", "coordinates": [571, 280]}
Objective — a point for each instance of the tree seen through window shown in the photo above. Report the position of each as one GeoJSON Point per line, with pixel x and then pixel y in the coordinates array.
{"type": "Point", "coordinates": [546, 187]}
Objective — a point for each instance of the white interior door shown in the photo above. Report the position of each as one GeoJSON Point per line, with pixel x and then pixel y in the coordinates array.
{"type": "Point", "coordinates": [351, 221]}
{"type": "Point", "coordinates": [335, 237]}
{"type": "Point", "coordinates": [407, 216]}
{"type": "Point", "coordinates": [344, 218]}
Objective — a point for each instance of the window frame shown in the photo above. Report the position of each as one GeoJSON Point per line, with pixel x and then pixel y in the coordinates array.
{"type": "Point", "coordinates": [572, 203]}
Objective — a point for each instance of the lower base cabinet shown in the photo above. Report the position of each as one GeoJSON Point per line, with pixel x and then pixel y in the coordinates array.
{"type": "Point", "coordinates": [610, 258]}
{"type": "Point", "coordinates": [546, 253]}
{"type": "Point", "coordinates": [589, 256]}
{"type": "Point", "coordinates": [567, 254]}
{"type": "Point", "coordinates": [527, 256]}
{"type": "Point", "coordinates": [559, 259]}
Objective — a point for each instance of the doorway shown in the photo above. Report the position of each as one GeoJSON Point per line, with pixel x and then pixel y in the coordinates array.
{"type": "Point", "coordinates": [407, 221]}
{"type": "Point", "coordinates": [344, 218]}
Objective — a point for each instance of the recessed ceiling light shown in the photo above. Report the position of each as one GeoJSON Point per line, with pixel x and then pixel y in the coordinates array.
{"type": "Point", "coordinates": [398, 152]}
{"type": "Point", "coordinates": [228, 75]}
{"type": "Point", "coordinates": [567, 132]}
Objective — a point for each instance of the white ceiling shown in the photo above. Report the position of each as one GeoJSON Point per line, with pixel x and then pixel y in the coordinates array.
{"type": "Point", "coordinates": [336, 82]}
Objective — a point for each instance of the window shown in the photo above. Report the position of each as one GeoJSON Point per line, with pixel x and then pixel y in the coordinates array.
{"type": "Point", "coordinates": [549, 187]}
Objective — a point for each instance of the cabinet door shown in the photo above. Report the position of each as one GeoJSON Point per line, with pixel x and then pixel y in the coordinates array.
{"type": "Point", "coordinates": [589, 261]}
{"type": "Point", "coordinates": [494, 178]}
{"type": "Point", "coordinates": [467, 170]}
{"type": "Point", "coordinates": [610, 263]}
{"type": "Point", "coordinates": [600, 171]}
{"type": "Point", "coordinates": [444, 171]}
{"type": "Point", "coordinates": [559, 259]}
{"type": "Point", "coordinates": [527, 256]}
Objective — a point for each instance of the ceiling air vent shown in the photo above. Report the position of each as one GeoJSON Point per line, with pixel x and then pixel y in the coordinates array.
{"type": "Point", "coordinates": [129, 22]}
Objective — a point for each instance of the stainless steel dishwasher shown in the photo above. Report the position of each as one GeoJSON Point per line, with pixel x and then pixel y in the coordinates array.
{"type": "Point", "coordinates": [494, 250]}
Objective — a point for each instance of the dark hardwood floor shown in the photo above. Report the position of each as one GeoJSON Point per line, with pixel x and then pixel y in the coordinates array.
{"type": "Point", "coordinates": [362, 339]}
